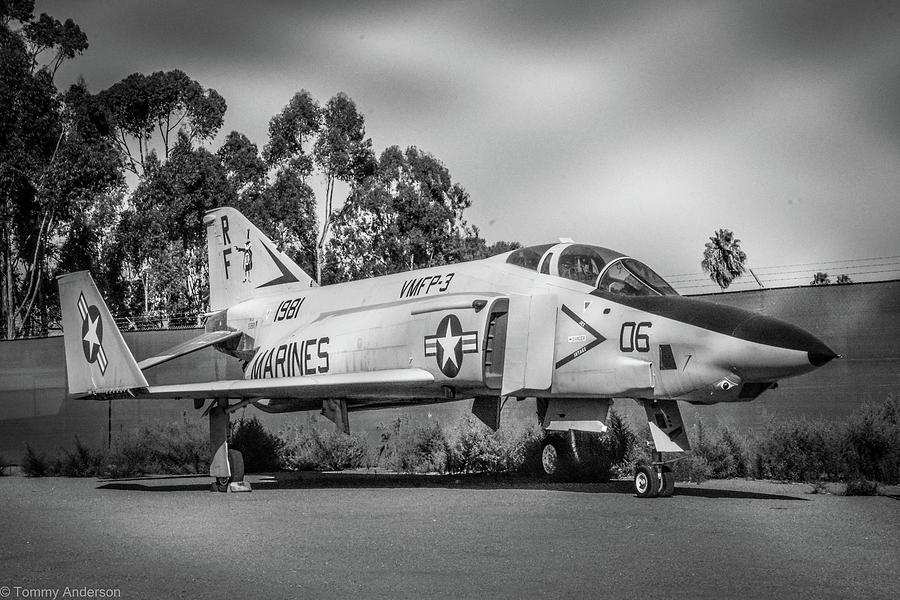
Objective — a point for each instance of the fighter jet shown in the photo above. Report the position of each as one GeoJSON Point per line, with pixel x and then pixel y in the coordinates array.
{"type": "Point", "coordinates": [571, 325]}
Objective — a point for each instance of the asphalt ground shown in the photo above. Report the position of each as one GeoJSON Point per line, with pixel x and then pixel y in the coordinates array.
{"type": "Point", "coordinates": [387, 536]}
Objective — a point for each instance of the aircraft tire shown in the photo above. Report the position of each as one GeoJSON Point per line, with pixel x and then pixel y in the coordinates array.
{"type": "Point", "coordinates": [236, 460]}
{"type": "Point", "coordinates": [646, 482]}
{"type": "Point", "coordinates": [555, 457]}
{"type": "Point", "coordinates": [667, 488]}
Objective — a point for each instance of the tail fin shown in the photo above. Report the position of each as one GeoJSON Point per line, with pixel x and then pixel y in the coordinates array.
{"type": "Point", "coordinates": [242, 260]}
{"type": "Point", "coordinates": [97, 360]}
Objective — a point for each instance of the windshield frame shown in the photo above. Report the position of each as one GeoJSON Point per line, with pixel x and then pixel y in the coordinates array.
{"type": "Point", "coordinates": [641, 273]}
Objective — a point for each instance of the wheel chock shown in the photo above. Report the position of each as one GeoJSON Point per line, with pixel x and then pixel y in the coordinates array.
{"type": "Point", "coordinates": [239, 486]}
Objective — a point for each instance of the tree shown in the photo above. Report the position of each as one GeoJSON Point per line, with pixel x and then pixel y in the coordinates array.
{"type": "Point", "coordinates": [167, 103]}
{"type": "Point", "coordinates": [161, 238]}
{"type": "Point", "coordinates": [407, 215]}
{"type": "Point", "coordinates": [289, 202]}
{"type": "Point", "coordinates": [820, 279]}
{"type": "Point", "coordinates": [344, 154]}
{"type": "Point", "coordinates": [843, 279]}
{"type": "Point", "coordinates": [723, 258]}
{"type": "Point", "coordinates": [291, 131]}
{"type": "Point", "coordinates": [55, 162]}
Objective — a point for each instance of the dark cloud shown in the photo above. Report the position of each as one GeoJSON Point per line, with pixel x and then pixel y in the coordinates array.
{"type": "Point", "coordinates": [608, 121]}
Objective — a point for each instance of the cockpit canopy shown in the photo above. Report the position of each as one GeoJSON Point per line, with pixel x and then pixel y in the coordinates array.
{"type": "Point", "coordinates": [601, 268]}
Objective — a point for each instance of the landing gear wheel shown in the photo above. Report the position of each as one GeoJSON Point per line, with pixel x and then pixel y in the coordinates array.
{"type": "Point", "coordinates": [667, 488]}
{"type": "Point", "coordinates": [554, 457]}
{"type": "Point", "coordinates": [236, 464]}
{"type": "Point", "coordinates": [646, 482]}
{"type": "Point", "coordinates": [236, 461]}
{"type": "Point", "coordinates": [549, 458]}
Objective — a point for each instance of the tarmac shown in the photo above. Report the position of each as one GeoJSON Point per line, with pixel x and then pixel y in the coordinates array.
{"type": "Point", "coordinates": [392, 536]}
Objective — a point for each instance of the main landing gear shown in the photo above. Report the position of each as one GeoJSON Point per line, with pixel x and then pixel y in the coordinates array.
{"type": "Point", "coordinates": [227, 466]}
{"type": "Point", "coordinates": [574, 456]}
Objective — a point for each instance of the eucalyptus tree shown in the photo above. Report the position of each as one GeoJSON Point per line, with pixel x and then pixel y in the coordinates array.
{"type": "Point", "coordinates": [55, 161]}
{"type": "Point", "coordinates": [344, 153]}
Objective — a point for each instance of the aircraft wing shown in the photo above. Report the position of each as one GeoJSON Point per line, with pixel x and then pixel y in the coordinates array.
{"type": "Point", "coordinates": [338, 385]}
{"type": "Point", "coordinates": [192, 345]}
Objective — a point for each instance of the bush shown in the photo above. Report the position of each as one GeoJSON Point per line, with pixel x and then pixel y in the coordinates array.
{"type": "Point", "coordinates": [510, 449]}
{"type": "Point", "coordinates": [724, 453]}
{"type": "Point", "coordinates": [83, 461]}
{"type": "Point", "coordinates": [173, 449]}
{"type": "Point", "coordinates": [798, 450]}
{"type": "Point", "coordinates": [861, 487]}
{"type": "Point", "coordinates": [692, 467]}
{"type": "Point", "coordinates": [259, 448]}
{"type": "Point", "coordinates": [308, 449]}
{"type": "Point", "coordinates": [34, 464]}
{"type": "Point", "coordinates": [410, 448]}
{"type": "Point", "coordinates": [870, 446]}
{"type": "Point", "coordinates": [475, 449]}
{"type": "Point", "coordinates": [622, 439]}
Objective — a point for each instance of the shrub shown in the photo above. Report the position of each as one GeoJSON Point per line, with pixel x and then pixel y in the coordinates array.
{"type": "Point", "coordinates": [82, 461]}
{"type": "Point", "coordinates": [308, 449]}
{"type": "Point", "coordinates": [622, 439]}
{"type": "Point", "coordinates": [259, 447]}
{"type": "Point", "coordinates": [512, 448]}
{"type": "Point", "coordinates": [861, 487]}
{"type": "Point", "coordinates": [870, 446]}
{"type": "Point", "coordinates": [798, 450]}
{"type": "Point", "coordinates": [724, 453]}
{"type": "Point", "coordinates": [173, 449]}
{"type": "Point", "coordinates": [692, 467]}
{"type": "Point", "coordinates": [34, 464]}
{"type": "Point", "coordinates": [2, 466]}
{"type": "Point", "coordinates": [474, 448]}
{"type": "Point", "coordinates": [410, 448]}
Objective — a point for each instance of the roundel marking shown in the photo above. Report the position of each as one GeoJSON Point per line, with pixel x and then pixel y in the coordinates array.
{"type": "Point", "coordinates": [449, 344]}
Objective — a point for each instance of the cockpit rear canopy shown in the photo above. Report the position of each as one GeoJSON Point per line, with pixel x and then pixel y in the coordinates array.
{"type": "Point", "coordinates": [601, 268]}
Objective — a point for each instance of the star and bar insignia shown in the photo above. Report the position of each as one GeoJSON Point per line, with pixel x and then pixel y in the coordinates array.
{"type": "Point", "coordinates": [92, 334]}
{"type": "Point", "coordinates": [449, 344]}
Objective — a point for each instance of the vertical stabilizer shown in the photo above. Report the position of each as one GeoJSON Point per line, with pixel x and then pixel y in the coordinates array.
{"type": "Point", "coordinates": [97, 360]}
{"type": "Point", "coordinates": [243, 260]}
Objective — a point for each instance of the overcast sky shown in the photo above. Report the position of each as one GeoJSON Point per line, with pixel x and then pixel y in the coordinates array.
{"type": "Point", "coordinates": [638, 126]}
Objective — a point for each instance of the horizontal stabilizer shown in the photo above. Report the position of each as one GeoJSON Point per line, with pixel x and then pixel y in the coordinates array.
{"type": "Point", "coordinates": [198, 343]}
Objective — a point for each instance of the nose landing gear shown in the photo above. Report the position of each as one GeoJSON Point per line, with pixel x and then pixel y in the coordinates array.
{"type": "Point", "coordinates": [654, 480]}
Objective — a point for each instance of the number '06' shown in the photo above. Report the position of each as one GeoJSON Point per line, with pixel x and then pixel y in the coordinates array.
{"type": "Point", "coordinates": [633, 338]}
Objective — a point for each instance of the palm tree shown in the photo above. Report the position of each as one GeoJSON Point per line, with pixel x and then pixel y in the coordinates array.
{"type": "Point", "coordinates": [820, 279]}
{"type": "Point", "coordinates": [723, 258]}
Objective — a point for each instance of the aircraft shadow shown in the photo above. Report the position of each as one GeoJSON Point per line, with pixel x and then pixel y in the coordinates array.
{"type": "Point", "coordinates": [139, 487]}
{"type": "Point", "coordinates": [474, 481]}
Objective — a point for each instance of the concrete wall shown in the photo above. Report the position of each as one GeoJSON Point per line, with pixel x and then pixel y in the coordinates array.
{"type": "Point", "coordinates": [34, 407]}
{"type": "Point", "coordinates": [859, 321]}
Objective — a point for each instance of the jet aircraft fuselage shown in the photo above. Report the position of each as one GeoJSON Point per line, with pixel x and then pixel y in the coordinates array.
{"type": "Point", "coordinates": [496, 326]}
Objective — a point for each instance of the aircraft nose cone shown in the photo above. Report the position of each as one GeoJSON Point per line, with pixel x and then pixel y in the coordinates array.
{"type": "Point", "coordinates": [817, 359]}
{"type": "Point", "coordinates": [774, 332]}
